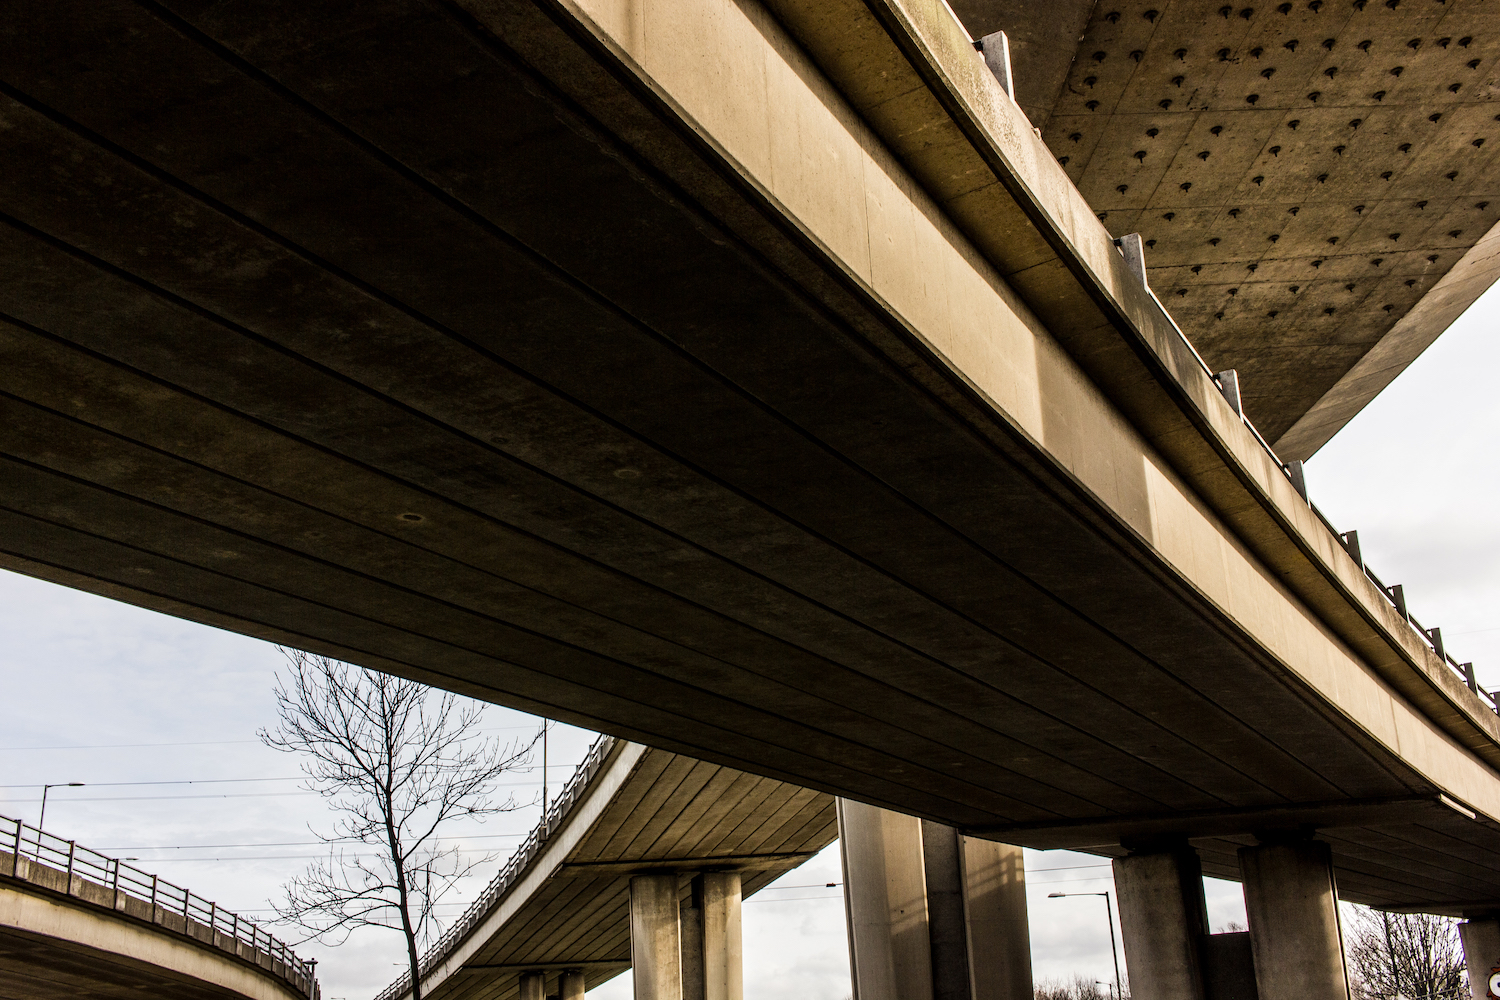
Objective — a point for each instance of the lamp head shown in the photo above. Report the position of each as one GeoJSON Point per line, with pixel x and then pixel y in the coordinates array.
{"type": "Point", "coordinates": [75, 784]}
{"type": "Point", "coordinates": [1056, 895]}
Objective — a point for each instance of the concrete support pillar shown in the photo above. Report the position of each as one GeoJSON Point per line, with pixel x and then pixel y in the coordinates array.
{"type": "Point", "coordinates": [1482, 955]}
{"type": "Point", "coordinates": [885, 900]}
{"type": "Point", "coordinates": [712, 950]}
{"type": "Point", "coordinates": [1163, 918]}
{"type": "Point", "coordinates": [1292, 907]}
{"type": "Point", "coordinates": [717, 895]}
{"type": "Point", "coordinates": [995, 909]}
{"type": "Point", "coordinates": [533, 986]}
{"type": "Point", "coordinates": [655, 937]}
{"type": "Point", "coordinates": [947, 926]}
{"type": "Point", "coordinates": [691, 931]}
{"type": "Point", "coordinates": [570, 986]}
{"type": "Point", "coordinates": [932, 915]}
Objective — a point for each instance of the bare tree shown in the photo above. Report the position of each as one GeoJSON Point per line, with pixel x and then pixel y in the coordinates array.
{"type": "Point", "coordinates": [1080, 987]}
{"type": "Point", "coordinates": [396, 760]}
{"type": "Point", "coordinates": [1415, 956]}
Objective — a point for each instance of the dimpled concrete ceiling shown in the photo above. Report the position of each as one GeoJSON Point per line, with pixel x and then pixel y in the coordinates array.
{"type": "Point", "coordinates": [1302, 173]}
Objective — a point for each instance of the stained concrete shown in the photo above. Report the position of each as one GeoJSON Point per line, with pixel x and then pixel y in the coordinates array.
{"type": "Point", "coordinates": [676, 375]}
{"type": "Point", "coordinates": [1305, 175]}
{"type": "Point", "coordinates": [1291, 905]}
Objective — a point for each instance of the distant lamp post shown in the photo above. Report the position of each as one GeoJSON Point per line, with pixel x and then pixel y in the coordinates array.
{"type": "Point", "coordinates": [1109, 915]}
{"type": "Point", "coordinates": [45, 788]}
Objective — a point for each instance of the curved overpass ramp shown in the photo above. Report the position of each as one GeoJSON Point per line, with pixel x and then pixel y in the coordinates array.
{"type": "Point", "coordinates": [75, 923]}
{"type": "Point", "coordinates": [562, 904]}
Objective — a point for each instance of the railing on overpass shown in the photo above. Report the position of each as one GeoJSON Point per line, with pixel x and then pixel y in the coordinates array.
{"type": "Point", "coordinates": [557, 810]}
{"type": "Point", "coordinates": [44, 859]}
{"type": "Point", "coordinates": [1349, 540]}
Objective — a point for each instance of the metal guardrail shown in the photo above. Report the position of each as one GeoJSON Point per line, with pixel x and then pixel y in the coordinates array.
{"type": "Point", "coordinates": [524, 855]}
{"type": "Point", "coordinates": [1349, 540]}
{"type": "Point", "coordinates": [43, 859]}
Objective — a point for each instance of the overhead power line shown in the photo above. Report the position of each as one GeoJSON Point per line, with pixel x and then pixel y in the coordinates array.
{"type": "Point", "coordinates": [290, 843]}
{"type": "Point", "coordinates": [200, 743]}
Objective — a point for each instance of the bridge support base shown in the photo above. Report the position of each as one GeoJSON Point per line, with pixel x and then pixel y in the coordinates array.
{"type": "Point", "coordinates": [1482, 954]}
{"type": "Point", "coordinates": [1292, 908]}
{"type": "Point", "coordinates": [932, 915]}
{"type": "Point", "coordinates": [1163, 920]}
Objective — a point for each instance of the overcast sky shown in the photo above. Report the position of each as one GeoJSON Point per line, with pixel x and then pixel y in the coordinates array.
{"type": "Point", "coordinates": [137, 704]}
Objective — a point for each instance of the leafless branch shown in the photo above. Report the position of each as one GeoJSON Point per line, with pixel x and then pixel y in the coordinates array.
{"type": "Point", "coordinates": [396, 761]}
{"type": "Point", "coordinates": [1412, 956]}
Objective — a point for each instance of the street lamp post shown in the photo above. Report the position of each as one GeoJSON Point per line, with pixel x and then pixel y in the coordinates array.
{"type": "Point", "coordinates": [1109, 914]}
{"type": "Point", "coordinates": [61, 784]}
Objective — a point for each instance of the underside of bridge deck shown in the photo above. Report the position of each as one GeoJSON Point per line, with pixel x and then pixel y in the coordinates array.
{"type": "Point", "coordinates": [1304, 174]}
{"type": "Point", "coordinates": [424, 335]}
{"type": "Point", "coordinates": [37, 967]}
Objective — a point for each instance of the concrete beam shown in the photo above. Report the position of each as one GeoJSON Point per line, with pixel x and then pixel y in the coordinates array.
{"type": "Point", "coordinates": [1291, 905]}
{"type": "Point", "coordinates": [1111, 832]}
{"type": "Point", "coordinates": [726, 863]}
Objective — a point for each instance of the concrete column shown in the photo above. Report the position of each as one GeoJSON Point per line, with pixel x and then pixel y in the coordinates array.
{"type": "Point", "coordinates": [1163, 917]}
{"type": "Point", "coordinates": [655, 938]}
{"type": "Point", "coordinates": [999, 934]}
{"type": "Point", "coordinates": [885, 900]}
{"type": "Point", "coordinates": [533, 986]}
{"type": "Point", "coordinates": [570, 986]}
{"type": "Point", "coordinates": [717, 896]}
{"type": "Point", "coordinates": [691, 931]}
{"type": "Point", "coordinates": [1482, 954]}
{"type": "Point", "coordinates": [1292, 908]}
{"type": "Point", "coordinates": [947, 925]}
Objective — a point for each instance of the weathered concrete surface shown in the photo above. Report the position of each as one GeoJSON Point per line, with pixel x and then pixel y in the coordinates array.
{"type": "Point", "coordinates": [1291, 906]}
{"type": "Point", "coordinates": [1305, 175]}
{"type": "Point", "coordinates": [1481, 940]}
{"type": "Point", "coordinates": [885, 901]}
{"type": "Point", "coordinates": [574, 905]}
{"type": "Point", "coordinates": [932, 913]}
{"type": "Point", "coordinates": [655, 937]}
{"type": "Point", "coordinates": [54, 946]}
{"type": "Point", "coordinates": [778, 402]}
{"type": "Point", "coordinates": [1163, 919]}
{"type": "Point", "coordinates": [999, 931]}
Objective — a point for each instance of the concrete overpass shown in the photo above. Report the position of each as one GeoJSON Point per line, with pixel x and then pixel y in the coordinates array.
{"type": "Point", "coordinates": [747, 380]}
{"type": "Point", "coordinates": [561, 906]}
{"type": "Point", "coordinates": [76, 923]}
{"type": "Point", "coordinates": [1316, 180]}
{"type": "Point", "coordinates": [644, 861]}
